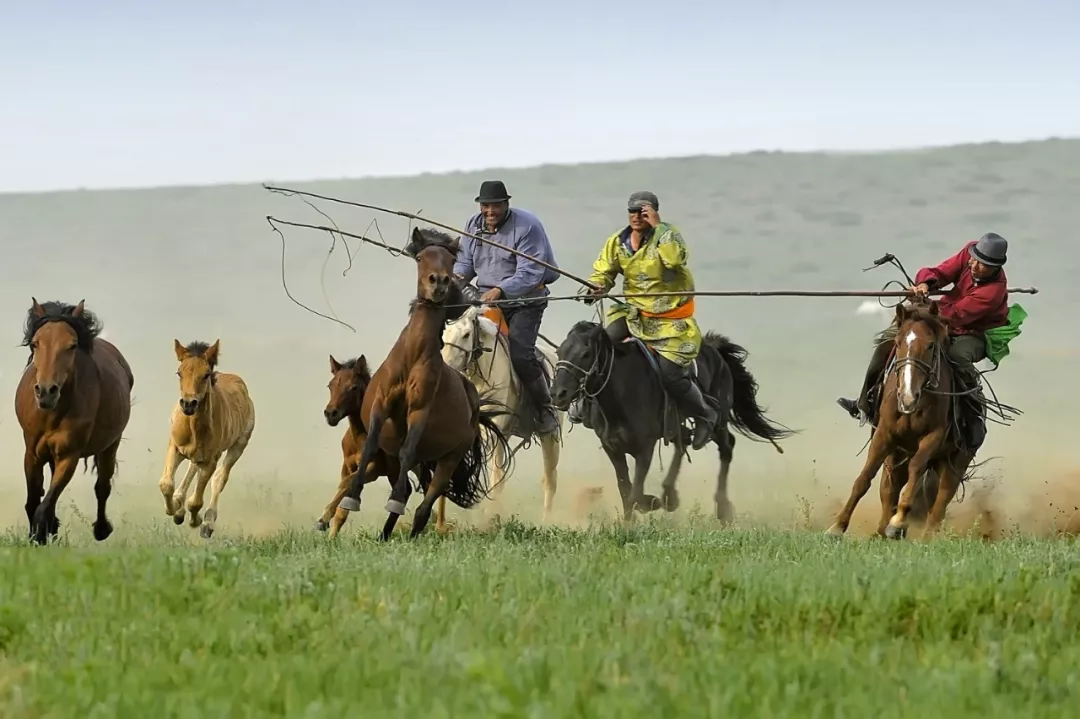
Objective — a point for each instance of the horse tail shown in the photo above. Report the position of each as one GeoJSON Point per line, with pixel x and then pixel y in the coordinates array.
{"type": "Point", "coordinates": [747, 417]}
{"type": "Point", "coordinates": [469, 482]}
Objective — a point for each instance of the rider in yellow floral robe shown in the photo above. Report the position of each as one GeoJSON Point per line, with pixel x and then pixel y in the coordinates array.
{"type": "Point", "coordinates": [652, 257]}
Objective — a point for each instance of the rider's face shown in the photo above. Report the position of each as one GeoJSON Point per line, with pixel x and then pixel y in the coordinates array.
{"type": "Point", "coordinates": [493, 213]}
{"type": "Point", "coordinates": [980, 271]}
{"type": "Point", "coordinates": [637, 222]}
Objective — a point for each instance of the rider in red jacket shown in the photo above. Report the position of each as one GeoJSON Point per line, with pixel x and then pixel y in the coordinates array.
{"type": "Point", "coordinates": [976, 302]}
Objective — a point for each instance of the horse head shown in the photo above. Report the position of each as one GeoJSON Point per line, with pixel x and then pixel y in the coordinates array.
{"type": "Point", "coordinates": [583, 357]}
{"type": "Point", "coordinates": [197, 372]}
{"type": "Point", "coordinates": [349, 381]}
{"type": "Point", "coordinates": [466, 339]}
{"type": "Point", "coordinates": [921, 342]}
{"type": "Point", "coordinates": [435, 253]}
{"type": "Point", "coordinates": [55, 333]}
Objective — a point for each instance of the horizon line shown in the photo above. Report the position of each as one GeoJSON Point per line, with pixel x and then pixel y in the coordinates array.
{"type": "Point", "coordinates": [526, 168]}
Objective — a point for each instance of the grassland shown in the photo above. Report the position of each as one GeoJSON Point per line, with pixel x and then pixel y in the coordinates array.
{"type": "Point", "coordinates": [652, 620]}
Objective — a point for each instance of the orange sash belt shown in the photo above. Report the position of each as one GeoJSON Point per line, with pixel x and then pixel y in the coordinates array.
{"type": "Point", "coordinates": [681, 312]}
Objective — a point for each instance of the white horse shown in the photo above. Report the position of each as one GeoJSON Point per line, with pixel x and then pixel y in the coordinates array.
{"type": "Point", "coordinates": [474, 346]}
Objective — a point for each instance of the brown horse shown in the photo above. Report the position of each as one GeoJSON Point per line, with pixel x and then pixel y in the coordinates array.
{"type": "Point", "coordinates": [913, 428]}
{"type": "Point", "coordinates": [73, 402]}
{"type": "Point", "coordinates": [421, 410]}
{"type": "Point", "coordinates": [349, 381]}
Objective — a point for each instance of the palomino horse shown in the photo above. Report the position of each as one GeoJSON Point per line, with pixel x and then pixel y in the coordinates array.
{"type": "Point", "coordinates": [476, 345]}
{"type": "Point", "coordinates": [215, 416]}
{"type": "Point", "coordinates": [625, 404]}
{"type": "Point", "coordinates": [419, 409]}
{"type": "Point", "coordinates": [73, 402]}
{"type": "Point", "coordinates": [348, 382]}
{"type": "Point", "coordinates": [912, 432]}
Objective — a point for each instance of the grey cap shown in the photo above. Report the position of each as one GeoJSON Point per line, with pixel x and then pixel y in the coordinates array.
{"type": "Point", "coordinates": [642, 198]}
{"type": "Point", "coordinates": [991, 249]}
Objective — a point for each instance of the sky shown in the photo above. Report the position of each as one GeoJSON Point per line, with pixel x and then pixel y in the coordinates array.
{"type": "Point", "coordinates": [125, 93]}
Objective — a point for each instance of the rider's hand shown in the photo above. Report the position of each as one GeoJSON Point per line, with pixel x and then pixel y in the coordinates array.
{"type": "Point", "coordinates": [649, 214]}
{"type": "Point", "coordinates": [493, 295]}
{"type": "Point", "coordinates": [920, 291]}
{"type": "Point", "coordinates": [592, 294]}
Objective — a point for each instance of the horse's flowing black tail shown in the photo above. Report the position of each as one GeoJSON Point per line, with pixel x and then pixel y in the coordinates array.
{"type": "Point", "coordinates": [469, 482]}
{"type": "Point", "coordinates": [747, 418]}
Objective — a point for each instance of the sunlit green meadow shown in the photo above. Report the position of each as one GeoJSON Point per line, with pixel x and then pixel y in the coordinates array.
{"type": "Point", "coordinates": [655, 620]}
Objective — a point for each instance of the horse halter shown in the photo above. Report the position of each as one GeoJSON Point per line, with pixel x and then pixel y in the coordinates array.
{"type": "Point", "coordinates": [931, 369]}
{"type": "Point", "coordinates": [476, 351]}
{"type": "Point", "coordinates": [591, 373]}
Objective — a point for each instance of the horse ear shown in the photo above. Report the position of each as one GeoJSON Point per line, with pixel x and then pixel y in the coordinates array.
{"type": "Point", "coordinates": [335, 366]}
{"type": "Point", "coordinates": [901, 313]}
{"type": "Point", "coordinates": [361, 367]}
{"type": "Point", "coordinates": [78, 311]}
{"type": "Point", "coordinates": [181, 353]}
{"type": "Point", "coordinates": [416, 243]}
{"type": "Point", "coordinates": [934, 309]}
{"type": "Point", "coordinates": [212, 353]}
{"type": "Point", "coordinates": [36, 309]}
{"type": "Point", "coordinates": [455, 245]}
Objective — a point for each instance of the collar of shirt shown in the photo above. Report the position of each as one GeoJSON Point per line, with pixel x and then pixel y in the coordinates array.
{"type": "Point", "coordinates": [624, 237]}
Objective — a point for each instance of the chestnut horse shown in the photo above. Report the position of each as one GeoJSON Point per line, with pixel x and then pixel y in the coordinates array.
{"type": "Point", "coordinates": [73, 402]}
{"type": "Point", "coordinates": [214, 416]}
{"type": "Point", "coordinates": [421, 410]}
{"type": "Point", "coordinates": [349, 381]}
{"type": "Point", "coordinates": [914, 431]}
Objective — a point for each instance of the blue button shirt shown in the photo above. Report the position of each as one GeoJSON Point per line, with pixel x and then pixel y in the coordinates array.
{"type": "Point", "coordinates": [517, 277]}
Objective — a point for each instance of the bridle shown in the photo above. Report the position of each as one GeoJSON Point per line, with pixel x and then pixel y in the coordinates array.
{"type": "Point", "coordinates": [931, 369]}
{"type": "Point", "coordinates": [598, 367]}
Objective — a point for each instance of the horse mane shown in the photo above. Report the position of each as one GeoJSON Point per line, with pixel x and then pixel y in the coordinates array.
{"type": "Point", "coordinates": [425, 237]}
{"type": "Point", "coordinates": [87, 327]}
{"type": "Point", "coordinates": [197, 348]}
{"type": "Point", "coordinates": [350, 364]}
{"type": "Point", "coordinates": [923, 313]}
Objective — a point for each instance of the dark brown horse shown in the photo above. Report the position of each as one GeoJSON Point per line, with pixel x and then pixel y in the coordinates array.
{"type": "Point", "coordinates": [349, 381]}
{"type": "Point", "coordinates": [419, 409]}
{"type": "Point", "coordinates": [914, 430]}
{"type": "Point", "coordinates": [73, 402]}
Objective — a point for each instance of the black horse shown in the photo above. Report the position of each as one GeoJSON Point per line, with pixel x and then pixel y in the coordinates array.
{"type": "Point", "coordinates": [625, 403]}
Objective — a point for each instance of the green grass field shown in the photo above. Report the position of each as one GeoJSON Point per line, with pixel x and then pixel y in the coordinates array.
{"type": "Point", "coordinates": [652, 620]}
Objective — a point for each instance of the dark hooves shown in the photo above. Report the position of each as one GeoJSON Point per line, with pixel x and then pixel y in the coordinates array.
{"type": "Point", "coordinates": [178, 519]}
{"type": "Point", "coordinates": [321, 526]}
{"type": "Point", "coordinates": [648, 503]}
{"type": "Point", "coordinates": [892, 532]}
{"type": "Point", "coordinates": [725, 513]}
{"type": "Point", "coordinates": [206, 531]}
{"type": "Point", "coordinates": [671, 501]}
{"type": "Point", "coordinates": [102, 530]}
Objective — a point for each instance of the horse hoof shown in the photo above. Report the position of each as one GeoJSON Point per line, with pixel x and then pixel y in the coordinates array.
{"type": "Point", "coordinates": [393, 506]}
{"type": "Point", "coordinates": [892, 532]}
{"type": "Point", "coordinates": [102, 530]}
{"type": "Point", "coordinates": [178, 519]}
{"type": "Point", "coordinates": [671, 500]}
{"type": "Point", "coordinates": [321, 526]}
{"type": "Point", "coordinates": [349, 504]}
{"type": "Point", "coordinates": [207, 531]}
{"type": "Point", "coordinates": [725, 514]}
{"type": "Point", "coordinates": [834, 532]}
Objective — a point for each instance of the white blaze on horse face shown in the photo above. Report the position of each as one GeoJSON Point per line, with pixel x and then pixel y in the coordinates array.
{"type": "Point", "coordinates": [907, 378]}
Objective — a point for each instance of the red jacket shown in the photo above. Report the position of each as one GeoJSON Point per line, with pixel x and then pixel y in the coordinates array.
{"type": "Point", "coordinates": [970, 307]}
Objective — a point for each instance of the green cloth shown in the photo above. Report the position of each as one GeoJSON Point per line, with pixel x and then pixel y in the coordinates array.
{"type": "Point", "coordinates": [997, 339]}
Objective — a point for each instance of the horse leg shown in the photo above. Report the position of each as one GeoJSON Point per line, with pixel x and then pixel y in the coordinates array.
{"type": "Point", "coordinates": [642, 462]}
{"type": "Point", "coordinates": [219, 480]}
{"type": "Point", "coordinates": [501, 459]}
{"type": "Point", "coordinates": [671, 494]}
{"type": "Point", "coordinates": [34, 468]}
{"type": "Point", "coordinates": [549, 447]}
{"type": "Point", "coordinates": [195, 501]}
{"type": "Point", "coordinates": [889, 490]}
{"type": "Point", "coordinates": [351, 501]}
{"type": "Point", "coordinates": [725, 512]}
{"type": "Point", "coordinates": [375, 469]}
{"type": "Point", "coordinates": [45, 522]}
{"type": "Point", "coordinates": [323, 523]}
{"type": "Point", "coordinates": [416, 423]}
{"type": "Point", "coordinates": [898, 525]}
{"type": "Point", "coordinates": [880, 447]}
{"type": "Point", "coordinates": [440, 481]}
{"type": "Point", "coordinates": [182, 492]}
{"type": "Point", "coordinates": [622, 477]}
{"type": "Point", "coordinates": [106, 468]}
{"type": "Point", "coordinates": [173, 458]}
{"type": "Point", "coordinates": [948, 483]}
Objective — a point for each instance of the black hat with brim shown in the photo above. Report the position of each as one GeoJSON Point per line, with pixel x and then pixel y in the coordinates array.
{"type": "Point", "coordinates": [492, 191]}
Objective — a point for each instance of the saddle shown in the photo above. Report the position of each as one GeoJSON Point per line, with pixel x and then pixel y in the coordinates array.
{"type": "Point", "coordinates": [673, 421]}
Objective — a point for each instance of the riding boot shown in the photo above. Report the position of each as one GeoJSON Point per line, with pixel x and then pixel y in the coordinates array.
{"type": "Point", "coordinates": [861, 406]}
{"type": "Point", "coordinates": [691, 402]}
{"type": "Point", "coordinates": [547, 421]}
{"type": "Point", "coordinates": [974, 410]}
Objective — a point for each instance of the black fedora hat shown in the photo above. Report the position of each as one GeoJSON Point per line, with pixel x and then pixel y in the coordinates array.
{"type": "Point", "coordinates": [492, 191]}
